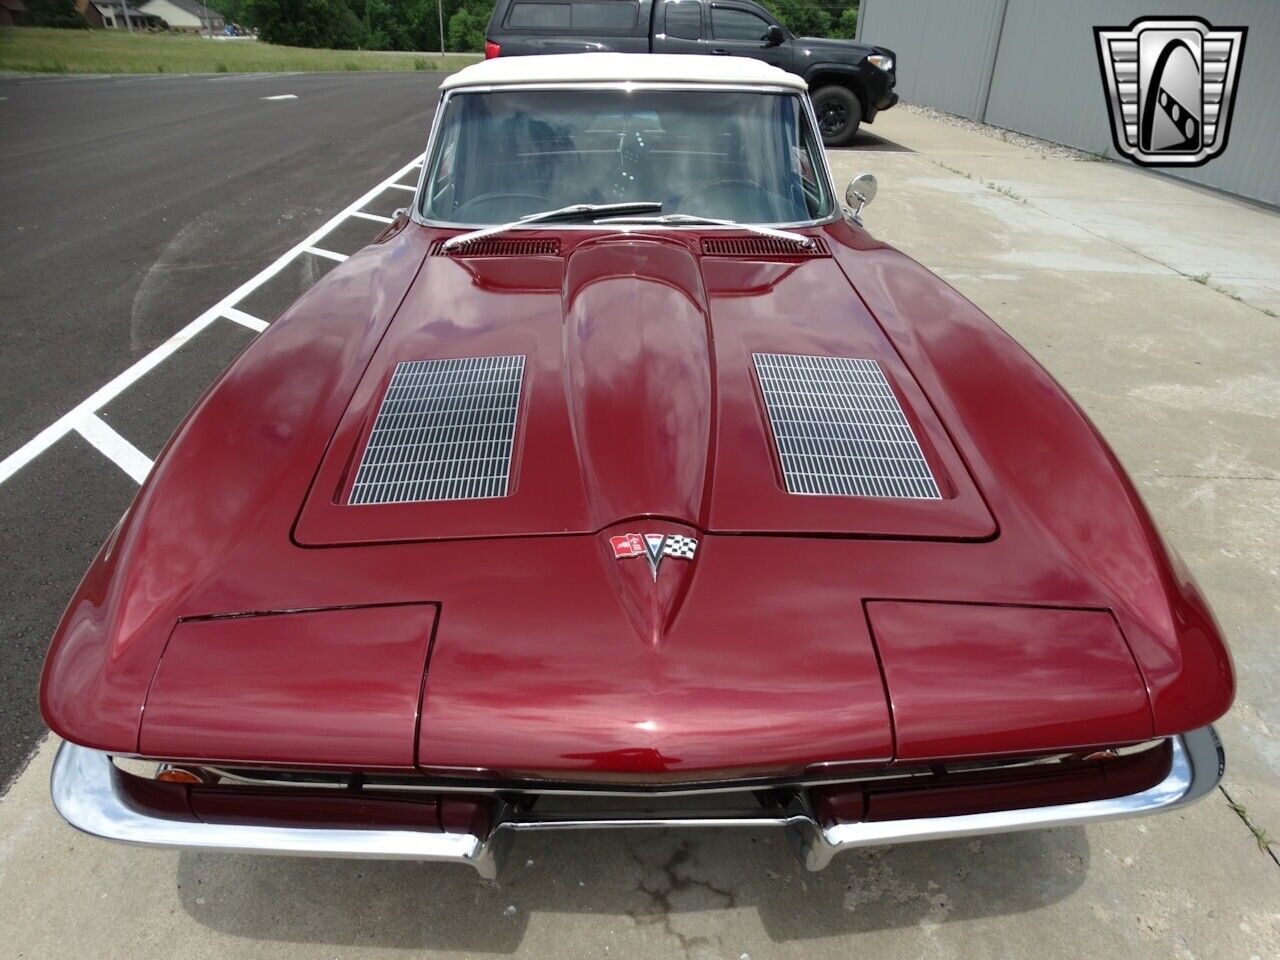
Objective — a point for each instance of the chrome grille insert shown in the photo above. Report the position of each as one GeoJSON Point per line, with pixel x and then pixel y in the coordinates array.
{"type": "Point", "coordinates": [499, 247]}
{"type": "Point", "coordinates": [840, 430]}
{"type": "Point", "coordinates": [444, 432]}
{"type": "Point", "coordinates": [762, 247]}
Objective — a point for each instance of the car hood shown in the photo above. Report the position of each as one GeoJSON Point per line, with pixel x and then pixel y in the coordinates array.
{"type": "Point", "coordinates": [245, 611]}
{"type": "Point", "coordinates": [640, 396]}
{"type": "Point", "coordinates": [846, 47]}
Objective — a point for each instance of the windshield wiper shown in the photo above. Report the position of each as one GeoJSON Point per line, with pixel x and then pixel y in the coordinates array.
{"type": "Point", "coordinates": [678, 219]}
{"type": "Point", "coordinates": [575, 211]}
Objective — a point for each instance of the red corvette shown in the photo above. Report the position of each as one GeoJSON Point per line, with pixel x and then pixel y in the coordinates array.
{"type": "Point", "coordinates": [627, 464]}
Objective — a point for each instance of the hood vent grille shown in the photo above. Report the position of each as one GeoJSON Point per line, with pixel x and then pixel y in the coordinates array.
{"type": "Point", "coordinates": [444, 432]}
{"type": "Point", "coordinates": [839, 429]}
{"type": "Point", "coordinates": [496, 247]}
{"type": "Point", "coordinates": [757, 247]}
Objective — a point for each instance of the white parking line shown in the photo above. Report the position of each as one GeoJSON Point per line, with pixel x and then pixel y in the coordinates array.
{"type": "Point", "coordinates": [240, 317]}
{"type": "Point", "coordinates": [328, 253]}
{"type": "Point", "coordinates": [404, 186]}
{"type": "Point", "coordinates": [375, 217]}
{"type": "Point", "coordinates": [117, 449]}
{"type": "Point", "coordinates": [281, 96]}
{"type": "Point", "coordinates": [78, 417]}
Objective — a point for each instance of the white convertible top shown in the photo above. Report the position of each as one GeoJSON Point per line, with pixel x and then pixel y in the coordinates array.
{"type": "Point", "coordinates": [601, 68]}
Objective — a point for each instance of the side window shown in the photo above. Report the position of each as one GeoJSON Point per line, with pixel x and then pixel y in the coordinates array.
{"type": "Point", "coordinates": [684, 19]}
{"type": "Point", "coordinates": [605, 15]}
{"type": "Point", "coordinates": [539, 15]}
{"type": "Point", "coordinates": [729, 23]}
{"type": "Point", "coordinates": [806, 164]}
{"type": "Point", "coordinates": [438, 202]}
{"type": "Point", "coordinates": [586, 15]}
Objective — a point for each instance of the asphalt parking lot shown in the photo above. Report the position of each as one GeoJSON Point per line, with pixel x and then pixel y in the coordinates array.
{"type": "Point", "coordinates": [134, 208]}
{"type": "Point", "coordinates": [131, 205]}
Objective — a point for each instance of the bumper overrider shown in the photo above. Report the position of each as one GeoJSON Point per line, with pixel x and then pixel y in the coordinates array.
{"type": "Point", "coordinates": [99, 798]}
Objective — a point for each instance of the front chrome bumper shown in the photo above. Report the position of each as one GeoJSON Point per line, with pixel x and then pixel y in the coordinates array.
{"type": "Point", "coordinates": [95, 796]}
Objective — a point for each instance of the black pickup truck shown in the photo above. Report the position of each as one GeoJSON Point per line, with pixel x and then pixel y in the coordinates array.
{"type": "Point", "coordinates": [849, 82]}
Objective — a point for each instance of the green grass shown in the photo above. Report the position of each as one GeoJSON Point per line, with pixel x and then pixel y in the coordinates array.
{"type": "Point", "coordinates": [116, 51]}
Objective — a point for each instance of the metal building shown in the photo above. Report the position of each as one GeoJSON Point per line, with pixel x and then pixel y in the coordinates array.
{"type": "Point", "coordinates": [1032, 66]}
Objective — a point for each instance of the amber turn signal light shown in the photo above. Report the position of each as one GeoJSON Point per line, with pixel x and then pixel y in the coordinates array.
{"type": "Point", "coordinates": [178, 775]}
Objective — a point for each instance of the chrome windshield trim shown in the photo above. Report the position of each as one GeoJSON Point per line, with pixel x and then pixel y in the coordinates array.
{"type": "Point", "coordinates": [627, 86]}
{"type": "Point", "coordinates": [688, 220]}
{"type": "Point", "coordinates": [428, 156]}
{"type": "Point", "coordinates": [550, 217]}
{"type": "Point", "coordinates": [605, 226]}
{"type": "Point", "coordinates": [95, 796]}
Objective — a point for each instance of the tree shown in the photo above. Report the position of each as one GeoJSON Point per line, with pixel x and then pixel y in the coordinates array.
{"type": "Point", "coordinates": [466, 29]}
{"type": "Point", "coordinates": [305, 23]}
{"type": "Point", "coordinates": [385, 24]}
{"type": "Point", "coordinates": [422, 25]}
{"type": "Point", "coordinates": [414, 24]}
{"type": "Point", "coordinates": [230, 9]}
{"type": "Point", "coordinates": [847, 26]}
{"type": "Point", "coordinates": [55, 13]}
{"type": "Point", "coordinates": [804, 18]}
{"type": "Point", "coordinates": [817, 18]}
{"type": "Point", "coordinates": [368, 24]}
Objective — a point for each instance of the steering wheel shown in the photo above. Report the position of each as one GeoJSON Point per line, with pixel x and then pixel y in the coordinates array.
{"type": "Point", "coordinates": [718, 185]}
{"type": "Point", "coordinates": [502, 201]}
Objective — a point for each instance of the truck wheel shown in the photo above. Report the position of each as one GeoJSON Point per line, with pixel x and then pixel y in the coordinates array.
{"type": "Point", "coordinates": [839, 113]}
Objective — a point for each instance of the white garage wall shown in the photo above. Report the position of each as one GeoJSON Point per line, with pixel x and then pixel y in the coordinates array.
{"type": "Point", "coordinates": [1032, 66]}
{"type": "Point", "coordinates": [945, 50]}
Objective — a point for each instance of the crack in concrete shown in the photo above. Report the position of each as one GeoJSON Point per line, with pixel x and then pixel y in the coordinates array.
{"type": "Point", "coordinates": [1260, 834]}
{"type": "Point", "coordinates": [676, 881]}
{"type": "Point", "coordinates": [1206, 476]}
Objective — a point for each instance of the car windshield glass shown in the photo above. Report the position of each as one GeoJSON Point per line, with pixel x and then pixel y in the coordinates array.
{"type": "Point", "coordinates": [744, 156]}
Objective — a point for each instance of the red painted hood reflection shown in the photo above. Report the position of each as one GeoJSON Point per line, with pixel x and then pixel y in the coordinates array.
{"type": "Point", "coordinates": [639, 397]}
{"type": "Point", "coordinates": [804, 630]}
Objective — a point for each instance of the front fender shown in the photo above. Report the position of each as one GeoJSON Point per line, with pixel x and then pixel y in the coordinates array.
{"type": "Point", "coordinates": [873, 87]}
{"type": "Point", "coordinates": [243, 457]}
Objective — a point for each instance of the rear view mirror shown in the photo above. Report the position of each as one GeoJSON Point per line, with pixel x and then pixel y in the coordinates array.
{"type": "Point", "coordinates": [860, 192]}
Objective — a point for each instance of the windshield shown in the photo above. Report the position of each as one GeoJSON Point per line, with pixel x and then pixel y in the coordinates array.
{"type": "Point", "coordinates": [745, 156]}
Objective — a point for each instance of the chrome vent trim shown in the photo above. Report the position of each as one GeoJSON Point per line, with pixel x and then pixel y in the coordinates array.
{"type": "Point", "coordinates": [839, 429]}
{"type": "Point", "coordinates": [444, 432]}
{"type": "Point", "coordinates": [762, 247]}
{"type": "Point", "coordinates": [499, 247]}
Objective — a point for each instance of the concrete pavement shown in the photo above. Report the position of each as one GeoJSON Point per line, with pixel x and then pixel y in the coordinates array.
{"type": "Point", "coordinates": [1156, 304]}
{"type": "Point", "coordinates": [1092, 266]}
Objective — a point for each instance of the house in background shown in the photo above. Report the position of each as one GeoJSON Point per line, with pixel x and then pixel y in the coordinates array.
{"type": "Point", "coordinates": [12, 13]}
{"type": "Point", "coordinates": [187, 16]}
{"type": "Point", "coordinates": [111, 15]}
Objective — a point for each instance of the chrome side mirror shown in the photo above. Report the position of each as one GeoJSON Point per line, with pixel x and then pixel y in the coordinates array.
{"type": "Point", "coordinates": [860, 192]}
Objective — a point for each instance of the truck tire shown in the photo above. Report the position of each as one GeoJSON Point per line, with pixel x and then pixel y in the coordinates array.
{"type": "Point", "coordinates": [839, 113]}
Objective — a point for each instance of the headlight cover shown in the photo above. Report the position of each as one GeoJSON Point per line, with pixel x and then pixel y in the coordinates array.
{"type": "Point", "coordinates": [882, 61]}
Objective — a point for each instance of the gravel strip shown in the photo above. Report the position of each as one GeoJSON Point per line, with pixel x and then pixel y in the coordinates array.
{"type": "Point", "coordinates": [1045, 147]}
